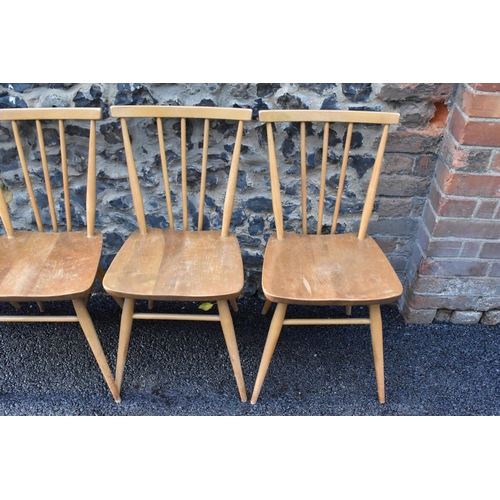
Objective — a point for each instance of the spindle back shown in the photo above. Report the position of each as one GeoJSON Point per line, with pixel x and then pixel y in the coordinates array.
{"type": "Point", "coordinates": [169, 124]}
{"type": "Point", "coordinates": [40, 137]}
{"type": "Point", "coordinates": [291, 123]}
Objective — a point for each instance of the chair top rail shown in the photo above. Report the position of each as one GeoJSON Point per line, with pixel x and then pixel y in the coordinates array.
{"type": "Point", "coordinates": [158, 111]}
{"type": "Point", "coordinates": [324, 115]}
{"type": "Point", "coordinates": [51, 114]}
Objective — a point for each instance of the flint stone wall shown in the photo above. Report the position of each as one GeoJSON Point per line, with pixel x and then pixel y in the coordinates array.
{"type": "Point", "coordinates": [408, 168]}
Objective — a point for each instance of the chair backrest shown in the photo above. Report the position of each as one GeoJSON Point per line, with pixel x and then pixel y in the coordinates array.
{"type": "Point", "coordinates": [170, 123]}
{"type": "Point", "coordinates": [290, 123]}
{"type": "Point", "coordinates": [40, 138]}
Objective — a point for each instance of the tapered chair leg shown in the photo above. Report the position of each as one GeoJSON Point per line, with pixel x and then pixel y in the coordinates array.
{"type": "Point", "coordinates": [266, 307]}
{"type": "Point", "coordinates": [272, 339]}
{"type": "Point", "coordinates": [100, 277]}
{"type": "Point", "coordinates": [234, 305]}
{"type": "Point", "coordinates": [378, 349]}
{"type": "Point", "coordinates": [125, 329]}
{"type": "Point", "coordinates": [232, 347]}
{"type": "Point", "coordinates": [95, 344]}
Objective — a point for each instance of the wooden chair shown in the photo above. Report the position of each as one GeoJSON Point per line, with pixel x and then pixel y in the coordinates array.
{"type": "Point", "coordinates": [178, 264]}
{"type": "Point", "coordinates": [40, 266]}
{"type": "Point", "coordinates": [325, 269]}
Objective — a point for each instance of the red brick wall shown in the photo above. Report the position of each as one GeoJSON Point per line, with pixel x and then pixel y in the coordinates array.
{"type": "Point", "coordinates": [454, 273]}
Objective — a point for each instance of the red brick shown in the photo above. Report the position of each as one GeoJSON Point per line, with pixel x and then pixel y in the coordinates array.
{"type": "Point", "coordinates": [487, 186]}
{"type": "Point", "coordinates": [425, 165]}
{"type": "Point", "coordinates": [490, 250]}
{"type": "Point", "coordinates": [457, 285]}
{"type": "Point", "coordinates": [463, 158]}
{"type": "Point", "coordinates": [414, 141]}
{"type": "Point", "coordinates": [471, 249]}
{"type": "Point", "coordinates": [394, 207]}
{"type": "Point", "coordinates": [435, 92]}
{"type": "Point", "coordinates": [481, 105]}
{"type": "Point", "coordinates": [444, 248]}
{"type": "Point", "coordinates": [403, 185]}
{"type": "Point", "coordinates": [474, 133]}
{"type": "Point", "coordinates": [451, 207]}
{"type": "Point", "coordinates": [487, 209]}
{"type": "Point", "coordinates": [453, 267]}
{"type": "Point", "coordinates": [495, 164]}
{"type": "Point", "coordinates": [486, 87]}
{"type": "Point", "coordinates": [417, 316]}
{"type": "Point", "coordinates": [387, 244]}
{"type": "Point", "coordinates": [395, 163]}
{"type": "Point", "coordinates": [466, 228]}
{"type": "Point", "coordinates": [424, 302]}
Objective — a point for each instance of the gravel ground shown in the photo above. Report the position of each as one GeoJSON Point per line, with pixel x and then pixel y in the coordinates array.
{"type": "Point", "coordinates": [183, 369]}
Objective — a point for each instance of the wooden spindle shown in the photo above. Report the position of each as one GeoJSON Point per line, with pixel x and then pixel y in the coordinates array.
{"type": "Point", "coordinates": [275, 183]}
{"type": "Point", "coordinates": [26, 174]}
{"type": "Point", "coordinates": [184, 175]}
{"type": "Point", "coordinates": [46, 175]}
{"type": "Point", "coordinates": [372, 187]}
{"type": "Point", "coordinates": [203, 181]}
{"type": "Point", "coordinates": [164, 168]}
{"type": "Point", "coordinates": [343, 170]}
{"type": "Point", "coordinates": [303, 168]}
{"type": "Point", "coordinates": [134, 181]}
{"type": "Point", "coordinates": [231, 182]}
{"type": "Point", "coordinates": [91, 180]}
{"type": "Point", "coordinates": [323, 178]}
{"type": "Point", "coordinates": [64, 169]}
{"type": "Point", "coordinates": [4, 213]}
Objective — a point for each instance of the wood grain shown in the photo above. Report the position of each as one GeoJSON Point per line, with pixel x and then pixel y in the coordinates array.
{"type": "Point", "coordinates": [337, 269]}
{"type": "Point", "coordinates": [48, 266]}
{"type": "Point", "coordinates": [177, 265]}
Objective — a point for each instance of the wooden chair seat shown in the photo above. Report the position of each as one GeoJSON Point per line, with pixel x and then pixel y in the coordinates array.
{"type": "Point", "coordinates": [337, 269]}
{"type": "Point", "coordinates": [48, 266]}
{"type": "Point", "coordinates": [177, 265]}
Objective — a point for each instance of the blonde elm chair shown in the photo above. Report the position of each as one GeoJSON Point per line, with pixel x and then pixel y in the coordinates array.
{"type": "Point", "coordinates": [56, 263]}
{"type": "Point", "coordinates": [325, 269]}
{"type": "Point", "coordinates": [179, 264]}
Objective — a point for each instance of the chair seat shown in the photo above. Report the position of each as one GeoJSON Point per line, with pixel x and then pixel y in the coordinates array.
{"type": "Point", "coordinates": [48, 266]}
{"type": "Point", "coordinates": [177, 265]}
{"type": "Point", "coordinates": [335, 269]}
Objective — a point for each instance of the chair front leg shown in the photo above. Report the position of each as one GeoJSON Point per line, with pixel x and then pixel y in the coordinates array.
{"type": "Point", "coordinates": [95, 344]}
{"type": "Point", "coordinates": [125, 329]}
{"type": "Point", "coordinates": [228, 330]}
{"type": "Point", "coordinates": [272, 339]}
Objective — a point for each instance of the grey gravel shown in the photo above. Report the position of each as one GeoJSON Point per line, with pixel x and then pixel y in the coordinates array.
{"type": "Point", "coordinates": [182, 368]}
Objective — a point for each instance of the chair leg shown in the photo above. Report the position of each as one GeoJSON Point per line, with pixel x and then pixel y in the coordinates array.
{"type": "Point", "coordinates": [272, 339]}
{"type": "Point", "coordinates": [125, 329]}
{"type": "Point", "coordinates": [266, 307]}
{"type": "Point", "coordinates": [348, 310]}
{"type": "Point", "coordinates": [151, 304]}
{"type": "Point", "coordinates": [41, 306]}
{"type": "Point", "coordinates": [234, 305]}
{"type": "Point", "coordinates": [232, 347]}
{"type": "Point", "coordinates": [95, 344]}
{"type": "Point", "coordinates": [378, 349]}
{"type": "Point", "coordinates": [100, 276]}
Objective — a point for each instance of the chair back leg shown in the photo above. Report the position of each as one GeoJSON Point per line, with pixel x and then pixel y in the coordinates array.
{"type": "Point", "coordinates": [378, 348]}
{"type": "Point", "coordinates": [95, 345]}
